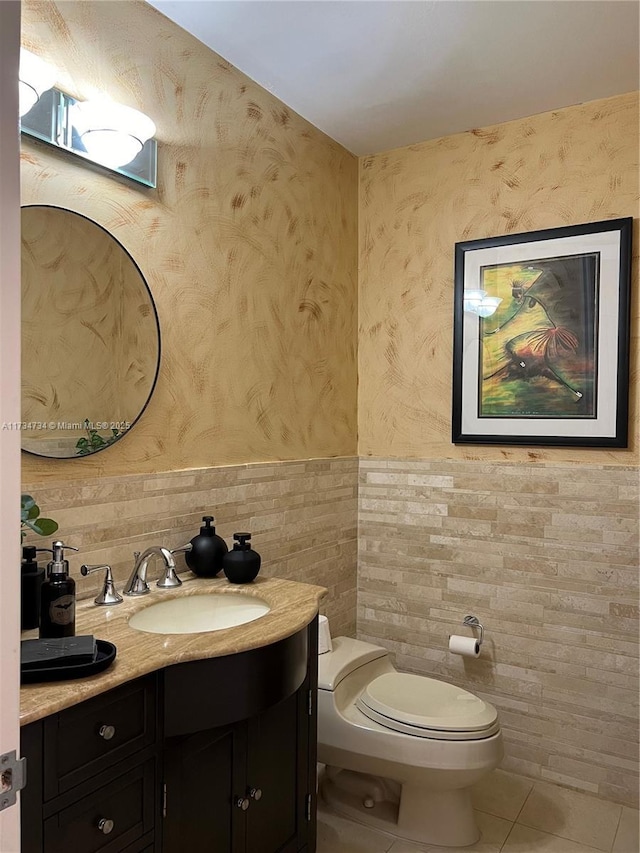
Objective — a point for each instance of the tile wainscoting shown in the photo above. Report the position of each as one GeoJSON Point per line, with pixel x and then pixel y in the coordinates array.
{"type": "Point", "coordinates": [546, 556]}
{"type": "Point", "coordinates": [302, 516]}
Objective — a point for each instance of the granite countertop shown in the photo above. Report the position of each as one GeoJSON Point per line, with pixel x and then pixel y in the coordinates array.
{"type": "Point", "coordinates": [293, 606]}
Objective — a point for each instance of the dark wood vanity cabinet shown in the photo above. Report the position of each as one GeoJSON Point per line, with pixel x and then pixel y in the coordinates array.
{"type": "Point", "coordinates": [94, 774]}
{"type": "Point", "coordinates": [252, 718]}
{"type": "Point", "coordinates": [212, 756]}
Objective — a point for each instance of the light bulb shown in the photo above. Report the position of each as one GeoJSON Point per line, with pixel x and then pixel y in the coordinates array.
{"type": "Point", "coordinates": [112, 134]}
{"type": "Point", "coordinates": [35, 77]}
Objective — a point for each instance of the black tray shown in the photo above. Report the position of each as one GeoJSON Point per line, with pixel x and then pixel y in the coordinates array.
{"type": "Point", "coordinates": [106, 653]}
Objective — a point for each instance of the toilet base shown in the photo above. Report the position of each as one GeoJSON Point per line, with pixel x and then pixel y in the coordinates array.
{"type": "Point", "coordinates": [417, 814]}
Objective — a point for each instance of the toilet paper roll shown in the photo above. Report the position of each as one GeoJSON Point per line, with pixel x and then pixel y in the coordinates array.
{"type": "Point", "coordinates": [324, 636]}
{"type": "Point", "coordinates": [467, 646]}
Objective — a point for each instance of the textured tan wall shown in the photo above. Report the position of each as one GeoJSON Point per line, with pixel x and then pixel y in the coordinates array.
{"type": "Point", "coordinates": [560, 168]}
{"type": "Point", "coordinates": [249, 246]}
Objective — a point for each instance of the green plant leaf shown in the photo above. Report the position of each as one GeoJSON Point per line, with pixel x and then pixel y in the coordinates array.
{"type": "Point", "coordinates": [45, 526]}
{"type": "Point", "coordinates": [29, 518]}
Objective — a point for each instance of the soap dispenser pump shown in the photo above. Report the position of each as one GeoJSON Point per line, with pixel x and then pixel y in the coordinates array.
{"type": "Point", "coordinates": [207, 551]}
{"type": "Point", "coordinates": [31, 579]}
{"type": "Point", "coordinates": [242, 564]}
{"type": "Point", "coordinates": [58, 596]}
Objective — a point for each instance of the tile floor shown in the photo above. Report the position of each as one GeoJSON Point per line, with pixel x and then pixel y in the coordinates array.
{"type": "Point", "coordinates": [515, 815]}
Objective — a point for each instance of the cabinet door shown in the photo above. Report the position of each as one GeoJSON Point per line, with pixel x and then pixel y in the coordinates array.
{"type": "Point", "coordinates": [202, 772]}
{"type": "Point", "coordinates": [273, 776]}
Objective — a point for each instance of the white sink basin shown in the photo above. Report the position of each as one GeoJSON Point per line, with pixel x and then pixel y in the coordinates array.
{"type": "Point", "coordinates": [193, 614]}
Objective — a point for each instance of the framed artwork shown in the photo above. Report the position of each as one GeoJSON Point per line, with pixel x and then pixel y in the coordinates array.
{"type": "Point", "coordinates": [541, 337]}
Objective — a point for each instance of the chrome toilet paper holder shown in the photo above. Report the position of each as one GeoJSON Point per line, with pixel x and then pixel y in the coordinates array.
{"type": "Point", "coordinates": [473, 622]}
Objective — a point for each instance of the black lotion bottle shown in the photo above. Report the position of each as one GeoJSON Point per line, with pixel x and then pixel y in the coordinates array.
{"type": "Point", "coordinates": [242, 563]}
{"type": "Point", "coordinates": [58, 597]}
{"type": "Point", "coordinates": [31, 578]}
{"type": "Point", "coordinates": [207, 551]}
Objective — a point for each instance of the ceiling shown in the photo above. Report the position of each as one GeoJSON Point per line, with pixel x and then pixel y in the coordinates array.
{"type": "Point", "coordinates": [380, 74]}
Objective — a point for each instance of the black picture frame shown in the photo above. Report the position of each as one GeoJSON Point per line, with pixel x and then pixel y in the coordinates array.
{"type": "Point", "coordinates": [541, 337]}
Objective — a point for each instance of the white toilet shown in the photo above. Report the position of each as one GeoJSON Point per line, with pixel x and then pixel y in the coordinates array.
{"type": "Point", "coordinates": [401, 751]}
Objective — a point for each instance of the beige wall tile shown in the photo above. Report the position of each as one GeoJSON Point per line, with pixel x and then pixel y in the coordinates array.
{"type": "Point", "coordinates": [560, 660]}
{"type": "Point", "coordinates": [570, 781]}
{"type": "Point", "coordinates": [303, 516]}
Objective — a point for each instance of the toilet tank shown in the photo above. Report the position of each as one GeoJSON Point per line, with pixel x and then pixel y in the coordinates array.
{"type": "Point", "coordinates": [347, 655]}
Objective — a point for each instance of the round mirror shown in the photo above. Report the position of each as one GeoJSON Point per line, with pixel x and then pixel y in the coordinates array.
{"type": "Point", "coordinates": [90, 335]}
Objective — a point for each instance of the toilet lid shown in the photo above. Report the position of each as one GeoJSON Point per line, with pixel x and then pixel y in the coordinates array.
{"type": "Point", "coordinates": [421, 705]}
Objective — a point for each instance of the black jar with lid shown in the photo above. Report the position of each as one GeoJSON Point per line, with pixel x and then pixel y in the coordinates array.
{"type": "Point", "coordinates": [207, 551]}
{"type": "Point", "coordinates": [242, 563]}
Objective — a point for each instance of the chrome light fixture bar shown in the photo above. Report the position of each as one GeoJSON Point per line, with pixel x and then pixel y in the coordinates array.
{"type": "Point", "coordinates": [109, 135]}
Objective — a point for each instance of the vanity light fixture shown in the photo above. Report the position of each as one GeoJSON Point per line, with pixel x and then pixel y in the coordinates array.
{"type": "Point", "coordinates": [111, 133]}
{"type": "Point", "coordinates": [477, 302]}
{"type": "Point", "coordinates": [113, 136]}
{"type": "Point", "coordinates": [35, 77]}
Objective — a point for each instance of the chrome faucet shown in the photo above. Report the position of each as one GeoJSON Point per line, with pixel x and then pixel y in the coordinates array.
{"type": "Point", "coordinates": [137, 583]}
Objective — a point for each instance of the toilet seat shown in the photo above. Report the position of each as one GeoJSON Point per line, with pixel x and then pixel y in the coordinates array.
{"type": "Point", "coordinates": [425, 707]}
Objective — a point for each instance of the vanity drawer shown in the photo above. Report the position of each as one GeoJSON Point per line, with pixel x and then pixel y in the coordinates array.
{"type": "Point", "coordinates": [107, 820]}
{"type": "Point", "coordinates": [82, 741]}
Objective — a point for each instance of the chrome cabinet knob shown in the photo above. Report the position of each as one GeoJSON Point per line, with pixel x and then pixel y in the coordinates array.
{"type": "Point", "coordinates": [105, 825]}
{"type": "Point", "coordinates": [255, 793]}
{"type": "Point", "coordinates": [242, 803]}
{"type": "Point", "coordinates": [107, 732]}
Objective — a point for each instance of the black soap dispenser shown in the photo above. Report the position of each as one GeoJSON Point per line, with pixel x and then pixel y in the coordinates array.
{"type": "Point", "coordinates": [31, 578]}
{"type": "Point", "coordinates": [58, 597]}
{"type": "Point", "coordinates": [207, 551]}
{"type": "Point", "coordinates": [242, 564]}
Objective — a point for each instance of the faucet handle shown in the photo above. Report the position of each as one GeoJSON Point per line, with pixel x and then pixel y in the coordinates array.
{"type": "Point", "coordinates": [109, 594]}
{"type": "Point", "coordinates": [170, 579]}
{"type": "Point", "coordinates": [182, 549]}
